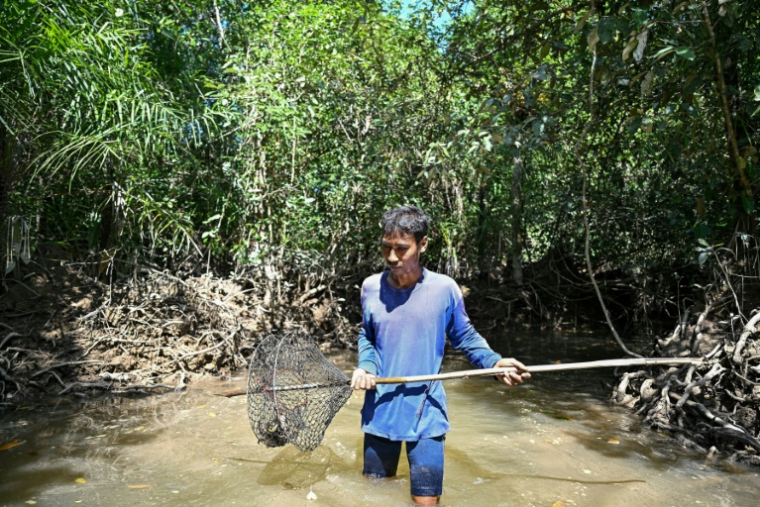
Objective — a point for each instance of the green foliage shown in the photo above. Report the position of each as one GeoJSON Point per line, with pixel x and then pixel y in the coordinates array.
{"type": "Point", "coordinates": [228, 130]}
{"type": "Point", "coordinates": [103, 129]}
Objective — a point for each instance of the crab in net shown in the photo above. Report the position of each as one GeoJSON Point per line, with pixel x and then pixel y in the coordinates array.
{"type": "Point", "coordinates": [293, 391]}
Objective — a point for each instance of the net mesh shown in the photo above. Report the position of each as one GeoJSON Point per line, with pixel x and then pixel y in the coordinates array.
{"type": "Point", "coordinates": [293, 391]}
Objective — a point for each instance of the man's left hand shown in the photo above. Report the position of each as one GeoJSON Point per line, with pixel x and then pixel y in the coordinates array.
{"type": "Point", "coordinates": [514, 377]}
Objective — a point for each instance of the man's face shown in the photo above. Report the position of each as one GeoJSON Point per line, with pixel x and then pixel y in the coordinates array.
{"type": "Point", "coordinates": [402, 253]}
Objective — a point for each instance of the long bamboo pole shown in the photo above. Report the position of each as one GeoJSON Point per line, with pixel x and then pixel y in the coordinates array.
{"type": "Point", "coordinates": [606, 363]}
{"type": "Point", "coordinates": [542, 368]}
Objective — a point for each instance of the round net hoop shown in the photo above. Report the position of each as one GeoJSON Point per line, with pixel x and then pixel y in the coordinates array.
{"type": "Point", "coordinates": [293, 391]}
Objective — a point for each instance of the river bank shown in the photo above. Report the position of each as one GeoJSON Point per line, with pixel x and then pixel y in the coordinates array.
{"type": "Point", "coordinates": [67, 332]}
{"type": "Point", "coordinates": [67, 329]}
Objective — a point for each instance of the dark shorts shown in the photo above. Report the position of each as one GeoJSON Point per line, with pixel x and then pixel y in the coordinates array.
{"type": "Point", "coordinates": [425, 462]}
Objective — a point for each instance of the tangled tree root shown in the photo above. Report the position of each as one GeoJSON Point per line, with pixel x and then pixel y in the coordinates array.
{"type": "Point", "coordinates": [153, 330]}
{"type": "Point", "coordinates": [712, 407]}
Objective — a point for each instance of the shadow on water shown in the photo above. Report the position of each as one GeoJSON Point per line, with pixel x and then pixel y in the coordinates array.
{"type": "Point", "coordinates": [486, 474]}
{"type": "Point", "coordinates": [294, 469]}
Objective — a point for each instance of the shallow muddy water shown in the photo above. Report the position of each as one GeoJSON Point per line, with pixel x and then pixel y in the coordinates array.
{"type": "Point", "coordinates": [552, 442]}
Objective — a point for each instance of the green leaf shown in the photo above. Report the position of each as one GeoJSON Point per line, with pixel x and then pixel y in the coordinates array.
{"type": "Point", "coordinates": [582, 21]}
{"type": "Point", "coordinates": [633, 127]}
{"type": "Point", "coordinates": [629, 47]}
{"type": "Point", "coordinates": [606, 29]}
{"type": "Point", "coordinates": [663, 52]}
{"type": "Point", "coordinates": [687, 53]}
{"type": "Point", "coordinates": [545, 49]}
{"type": "Point", "coordinates": [692, 86]}
{"type": "Point", "coordinates": [639, 15]}
{"type": "Point", "coordinates": [748, 204]}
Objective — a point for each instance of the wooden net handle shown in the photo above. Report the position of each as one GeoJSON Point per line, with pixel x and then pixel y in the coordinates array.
{"type": "Point", "coordinates": [606, 363]}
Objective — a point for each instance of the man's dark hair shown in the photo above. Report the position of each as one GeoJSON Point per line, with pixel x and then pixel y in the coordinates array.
{"type": "Point", "coordinates": [406, 220]}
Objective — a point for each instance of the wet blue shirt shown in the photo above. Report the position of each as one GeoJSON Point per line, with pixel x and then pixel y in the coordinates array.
{"type": "Point", "coordinates": [403, 333]}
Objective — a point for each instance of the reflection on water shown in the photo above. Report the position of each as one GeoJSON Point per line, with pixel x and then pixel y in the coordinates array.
{"type": "Point", "coordinates": [552, 440]}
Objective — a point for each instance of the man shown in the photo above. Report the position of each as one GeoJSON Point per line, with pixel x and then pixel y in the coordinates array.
{"type": "Point", "coordinates": [407, 313]}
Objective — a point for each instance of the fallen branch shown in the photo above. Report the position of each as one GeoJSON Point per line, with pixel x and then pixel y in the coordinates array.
{"type": "Point", "coordinates": [716, 369]}
{"type": "Point", "coordinates": [310, 293]}
{"type": "Point", "coordinates": [199, 352]}
{"type": "Point", "coordinates": [89, 385]}
{"type": "Point", "coordinates": [12, 334]}
{"type": "Point", "coordinates": [749, 329]}
{"type": "Point", "coordinates": [698, 335]}
{"type": "Point", "coordinates": [69, 363]}
{"type": "Point", "coordinates": [730, 428]}
{"type": "Point", "coordinates": [4, 374]}
{"type": "Point", "coordinates": [143, 387]}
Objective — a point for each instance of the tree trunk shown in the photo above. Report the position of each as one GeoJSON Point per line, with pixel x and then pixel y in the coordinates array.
{"type": "Point", "coordinates": [484, 253]}
{"type": "Point", "coordinates": [517, 206]}
{"type": "Point", "coordinates": [738, 170]}
{"type": "Point", "coordinates": [6, 169]}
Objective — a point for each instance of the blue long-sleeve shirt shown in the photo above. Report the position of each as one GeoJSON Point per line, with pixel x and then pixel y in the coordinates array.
{"type": "Point", "coordinates": [403, 333]}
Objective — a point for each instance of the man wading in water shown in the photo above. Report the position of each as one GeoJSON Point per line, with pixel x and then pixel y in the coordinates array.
{"type": "Point", "coordinates": [407, 313]}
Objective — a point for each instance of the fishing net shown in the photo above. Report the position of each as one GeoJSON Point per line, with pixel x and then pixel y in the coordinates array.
{"type": "Point", "coordinates": [293, 391]}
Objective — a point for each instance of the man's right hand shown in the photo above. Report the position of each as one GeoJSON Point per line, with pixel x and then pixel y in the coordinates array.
{"type": "Point", "coordinates": [362, 379]}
